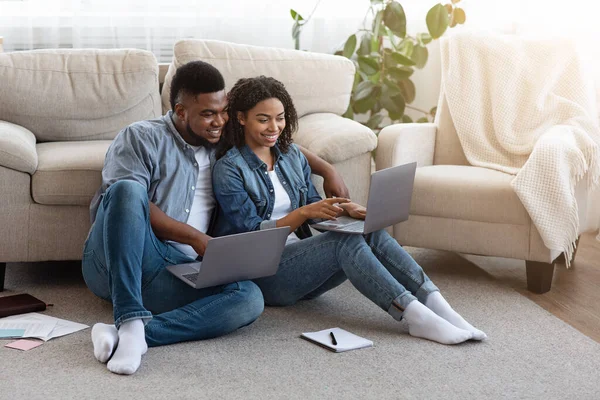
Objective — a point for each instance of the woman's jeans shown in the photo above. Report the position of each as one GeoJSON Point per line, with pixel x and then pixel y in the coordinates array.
{"type": "Point", "coordinates": [124, 262]}
{"type": "Point", "coordinates": [375, 264]}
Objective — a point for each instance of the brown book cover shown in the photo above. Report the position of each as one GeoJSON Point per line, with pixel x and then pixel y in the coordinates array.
{"type": "Point", "coordinates": [20, 304]}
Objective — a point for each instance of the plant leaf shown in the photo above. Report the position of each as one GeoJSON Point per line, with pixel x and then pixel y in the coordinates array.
{"type": "Point", "coordinates": [406, 119]}
{"type": "Point", "coordinates": [406, 47]}
{"type": "Point", "coordinates": [459, 16]}
{"type": "Point", "coordinates": [420, 56]}
{"type": "Point", "coordinates": [349, 47]}
{"type": "Point", "coordinates": [393, 104]}
{"type": "Point", "coordinates": [433, 111]}
{"type": "Point", "coordinates": [437, 20]}
{"type": "Point", "coordinates": [368, 65]}
{"type": "Point", "coordinates": [364, 105]}
{"type": "Point", "coordinates": [400, 73]}
{"type": "Point", "coordinates": [401, 59]}
{"type": "Point", "coordinates": [408, 90]}
{"type": "Point", "coordinates": [422, 120]}
{"type": "Point", "coordinates": [365, 45]}
{"type": "Point", "coordinates": [363, 90]}
{"type": "Point", "coordinates": [296, 16]}
{"type": "Point", "coordinates": [395, 19]}
{"type": "Point", "coordinates": [374, 121]}
{"type": "Point", "coordinates": [424, 38]}
{"type": "Point", "coordinates": [349, 112]}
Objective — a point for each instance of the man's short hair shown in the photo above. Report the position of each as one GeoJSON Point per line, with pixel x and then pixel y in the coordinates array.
{"type": "Point", "coordinates": [194, 78]}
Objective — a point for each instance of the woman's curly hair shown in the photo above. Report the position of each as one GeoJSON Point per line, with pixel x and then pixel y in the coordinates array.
{"type": "Point", "coordinates": [245, 95]}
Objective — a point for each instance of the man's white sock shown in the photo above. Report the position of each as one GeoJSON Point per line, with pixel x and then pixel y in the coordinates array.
{"type": "Point", "coordinates": [130, 348]}
{"type": "Point", "coordinates": [105, 339]}
{"type": "Point", "coordinates": [438, 304]}
{"type": "Point", "coordinates": [424, 323]}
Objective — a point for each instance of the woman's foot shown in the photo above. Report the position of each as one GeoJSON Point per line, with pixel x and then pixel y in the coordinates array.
{"type": "Point", "coordinates": [130, 348]}
{"type": "Point", "coordinates": [105, 338]}
{"type": "Point", "coordinates": [438, 304]}
{"type": "Point", "coordinates": [424, 323]}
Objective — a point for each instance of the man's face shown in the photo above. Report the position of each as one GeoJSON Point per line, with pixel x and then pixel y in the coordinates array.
{"type": "Point", "coordinates": [203, 117]}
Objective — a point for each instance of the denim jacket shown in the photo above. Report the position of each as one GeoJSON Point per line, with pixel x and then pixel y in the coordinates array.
{"type": "Point", "coordinates": [245, 192]}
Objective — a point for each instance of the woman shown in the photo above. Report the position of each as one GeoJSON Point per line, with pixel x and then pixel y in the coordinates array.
{"type": "Point", "coordinates": [262, 181]}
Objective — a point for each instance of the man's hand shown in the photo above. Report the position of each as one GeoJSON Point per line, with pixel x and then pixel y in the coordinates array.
{"type": "Point", "coordinates": [355, 210]}
{"type": "Point", "coordinates": [200, 242]}
{"type": "Point", "coordinates": [334, 185]}
{"type": "Point", "coordinates": [324, 209]}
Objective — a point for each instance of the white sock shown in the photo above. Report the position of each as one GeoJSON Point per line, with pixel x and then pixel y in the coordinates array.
{"type": "Point", "coordinates": [438, 304]}
{"type": "Point", "coordinates": [424, 323]}
{"type": "Point", "coordinates": [105, 339]}
{"type": "Point", "coordinates": [130, 348]}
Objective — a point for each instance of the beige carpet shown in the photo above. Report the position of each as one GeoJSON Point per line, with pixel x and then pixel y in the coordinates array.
{"type": "Point", "coordinates": [530, 354]}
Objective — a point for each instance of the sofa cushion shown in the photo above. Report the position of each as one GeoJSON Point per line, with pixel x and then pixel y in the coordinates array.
{"type": "Point", "coordinates": [334, 138]}
{"type": "Point", "coordinates": [78, 94]}
{"type": "Point", "coordinates": [317, 82]}
{"type": "Point", "coordinates": [68, 173]}
{"type": "Point", "coordinates": [467, 193]}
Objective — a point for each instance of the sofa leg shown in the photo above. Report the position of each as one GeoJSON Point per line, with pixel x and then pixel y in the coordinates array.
{"type": "Point", "coordinates": [2, 273]}
{"type": "Point", "coordinates": [539, 276]}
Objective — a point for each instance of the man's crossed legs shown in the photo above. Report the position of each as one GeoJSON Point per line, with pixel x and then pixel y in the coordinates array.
{"type": "Point", "coordinates": [124, 262]}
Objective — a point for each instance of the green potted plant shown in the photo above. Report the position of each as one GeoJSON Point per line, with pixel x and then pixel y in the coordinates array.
{"type": "Point", "coordinates": [386, 56]}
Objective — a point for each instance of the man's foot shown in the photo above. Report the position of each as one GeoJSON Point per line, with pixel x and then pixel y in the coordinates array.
{"type": "Point", "coordinates": [424, 323]}
{"type": "Point", "coordinates": [105, 339]}
{"type": "Point", "coordinates": [130, 349]}
{"type": "Point", "coordinates": [438, 304]}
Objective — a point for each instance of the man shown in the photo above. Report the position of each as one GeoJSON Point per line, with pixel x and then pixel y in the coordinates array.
{"type": "Point", "coordinates": [154, 208]}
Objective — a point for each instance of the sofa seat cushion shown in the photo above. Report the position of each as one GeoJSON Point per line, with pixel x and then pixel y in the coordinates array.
{"type": "Point", "coordinates": [467, 193]}
{"type": "Point", "coordinates": [68, 173]}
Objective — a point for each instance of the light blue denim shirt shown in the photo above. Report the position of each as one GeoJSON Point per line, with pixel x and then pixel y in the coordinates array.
{"type": "Point", "coordinates": [154, 154]}
{"type": "Point", "coordinates": [245, 192]}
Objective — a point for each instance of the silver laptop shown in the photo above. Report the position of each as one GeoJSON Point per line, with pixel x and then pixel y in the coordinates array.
{"type": "Point", "coordinates": [235, 258]}
{"type": "Point", "coordinates": [389, 202]}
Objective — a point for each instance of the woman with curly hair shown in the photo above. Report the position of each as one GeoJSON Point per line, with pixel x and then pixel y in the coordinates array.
{"type": "Point", "coordinates": [262, 181]}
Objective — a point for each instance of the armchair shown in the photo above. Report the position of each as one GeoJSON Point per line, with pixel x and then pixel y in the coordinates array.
{"type": "Point", "coordinates": [460, 207]}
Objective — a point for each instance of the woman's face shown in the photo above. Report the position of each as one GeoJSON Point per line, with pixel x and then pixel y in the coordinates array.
{"type": "Point", "coordinates": [263, 124]}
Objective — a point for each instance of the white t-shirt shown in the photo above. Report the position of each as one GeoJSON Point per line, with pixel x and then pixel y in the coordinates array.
{"type": "Point", "coordinates": [204, 199]}
{"type": "Point", "coordinates": [283, 205]}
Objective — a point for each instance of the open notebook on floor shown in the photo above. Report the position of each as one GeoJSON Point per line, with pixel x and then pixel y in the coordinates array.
{"type": "Point", "coordinates": [344, 339]}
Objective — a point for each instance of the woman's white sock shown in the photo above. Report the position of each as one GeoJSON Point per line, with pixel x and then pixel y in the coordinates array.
{"type": "Point", "coordinates": [424, 323]}
{"type": "Point", "coordinates": [438, 304]}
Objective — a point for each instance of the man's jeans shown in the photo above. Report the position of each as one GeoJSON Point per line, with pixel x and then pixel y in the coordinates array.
{"type": "Point", "coordinates": [124, 262]}
{"type": "Point", "coordinates": [375, 264]}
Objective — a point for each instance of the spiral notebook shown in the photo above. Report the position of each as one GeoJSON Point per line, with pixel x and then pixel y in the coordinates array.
{"type": "Point", "coordinates": [344, 339]}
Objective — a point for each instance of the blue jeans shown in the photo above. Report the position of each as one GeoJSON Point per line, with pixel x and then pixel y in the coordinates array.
{"type": "Point", "coordinates": [124, 262]}
{"type": "Point", "coordinates": [375, 264]}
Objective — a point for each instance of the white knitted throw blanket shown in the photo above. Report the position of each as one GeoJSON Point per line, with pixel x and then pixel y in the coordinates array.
{"type": "Point", "coordinates": [524, 107]}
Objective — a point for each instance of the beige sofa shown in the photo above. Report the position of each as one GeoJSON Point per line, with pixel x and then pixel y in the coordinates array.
{"type": "Point", "coordinates": [462, 208]}
{"type": "Point", "coordinates": [60, 109]}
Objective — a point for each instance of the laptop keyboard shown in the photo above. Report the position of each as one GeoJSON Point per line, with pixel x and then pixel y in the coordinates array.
{"type": "Point", "coordinates": [191, 277]}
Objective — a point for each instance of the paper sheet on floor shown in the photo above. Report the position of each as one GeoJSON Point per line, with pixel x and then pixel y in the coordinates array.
{"type": "Point", "coordinates": [60, 327]}
{"type": "Point", "coordinates": [33, 329]}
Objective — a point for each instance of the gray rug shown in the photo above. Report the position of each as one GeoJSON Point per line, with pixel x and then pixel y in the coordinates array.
{"type": "Point", "coordinates": [529, 353]}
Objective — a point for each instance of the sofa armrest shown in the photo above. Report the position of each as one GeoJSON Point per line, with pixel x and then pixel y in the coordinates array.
{"type": "Point", "coordinates": [17, 148]}
{"type": "Point", "coordinates": [334, 138]}
{"type": "Point", "coordinates": [405, 143]}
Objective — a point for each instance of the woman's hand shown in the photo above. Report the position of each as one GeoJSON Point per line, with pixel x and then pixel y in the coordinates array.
{"type": "Point", "coordinates": [324, 209]}
{"type": "Point", "coordinates": [355, 210]}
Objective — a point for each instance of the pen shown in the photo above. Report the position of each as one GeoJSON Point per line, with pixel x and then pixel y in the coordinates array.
{"type": "Point", "coordinates": [333, 339]}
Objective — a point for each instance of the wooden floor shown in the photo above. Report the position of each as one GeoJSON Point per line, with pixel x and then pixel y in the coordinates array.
{"type": "Point", "coordinates": [575, 293]}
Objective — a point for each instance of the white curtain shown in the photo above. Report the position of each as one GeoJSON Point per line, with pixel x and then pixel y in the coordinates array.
{"type": "Point", "coordinates": [156, 24]}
